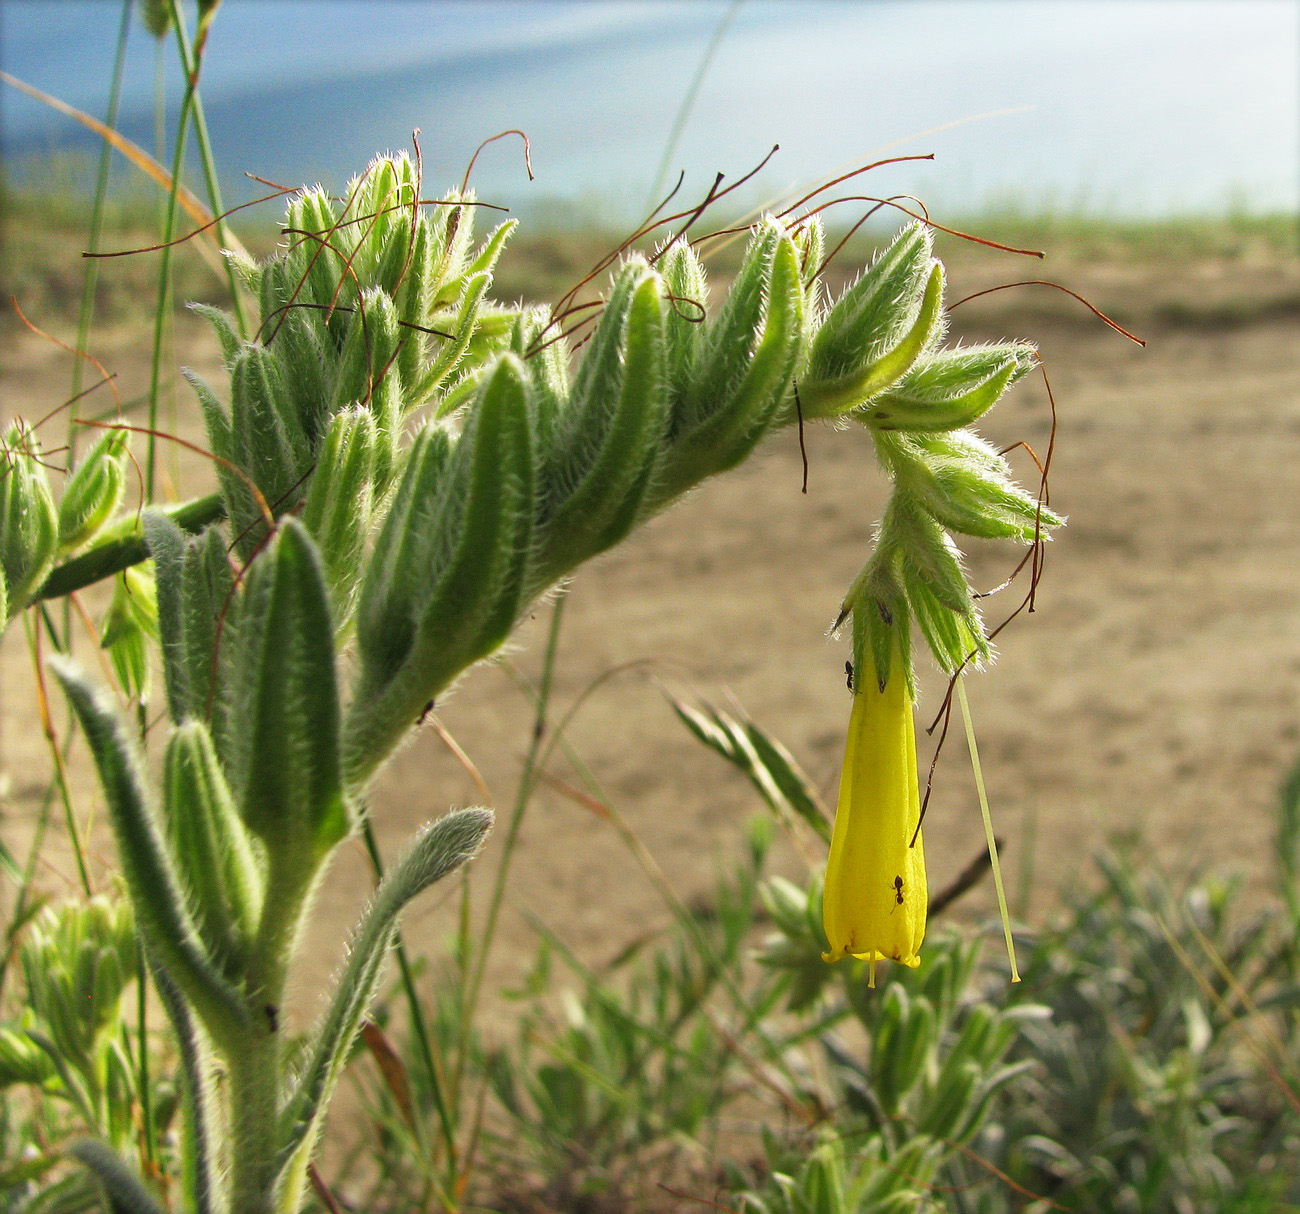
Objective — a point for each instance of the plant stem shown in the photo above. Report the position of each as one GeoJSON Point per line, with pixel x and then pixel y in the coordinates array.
{"type": "Point", "coordinates": [192, 62]}
{"type": "Point", "coordinates": [257, 1065]}
{"type": "Point", "coordinates": [254, 1076]}
{"type": "Point", "coordinates": [523, 795]}
{"type": "Point", "coordinates": [56, 755]}
{"type": "Point", "coordinates": [87, 310]}
{"type": "Point", "coordinates": [120, 552]}
{"type": "Point", "coordinates": [419, 1027]}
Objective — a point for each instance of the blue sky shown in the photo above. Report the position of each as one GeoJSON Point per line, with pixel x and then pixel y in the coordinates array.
{"type": "Point", "coordinates": [1139, 106]}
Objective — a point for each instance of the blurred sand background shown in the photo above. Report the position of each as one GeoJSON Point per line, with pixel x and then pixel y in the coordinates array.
{"type": "Point", "coordinates": [1154, 690]}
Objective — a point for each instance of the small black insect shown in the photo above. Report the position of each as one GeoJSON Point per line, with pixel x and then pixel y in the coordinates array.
{"type": "Point", "coordinates": [848, 674]}
{"type": "Point", "coordinates": [272, 1017]}
{"type": "Point", "coordinates": [898, 890]}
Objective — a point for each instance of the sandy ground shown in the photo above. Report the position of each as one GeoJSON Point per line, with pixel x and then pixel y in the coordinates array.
{"type": "Point", "coordinates": [1154, 689]}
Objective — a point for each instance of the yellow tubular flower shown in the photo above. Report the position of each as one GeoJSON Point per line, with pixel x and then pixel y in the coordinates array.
{"type": "Point", "coordinates": [875, 897]}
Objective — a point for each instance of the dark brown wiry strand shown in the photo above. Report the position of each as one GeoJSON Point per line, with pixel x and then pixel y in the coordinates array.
{"type": "Point", "coordinates": [72, 400]}
{"type": "Point", "coordinates": [803, 451]}
{"type": "Point", "coordinates": [944, 715]}
{"type": "Point", "coordinates": [271, 185]}
{"type": "Point", "coordinates": [667, 198]}
{"type": "Point", "coordinates": [650, 225]}
{"type": "Point", "coordinates": [457, 203]}
{"type": "Point", "coordinates": [830, 185]}
{"type": "Point", "coordinates": [42, 459]}
{"type": "Point", "coordinates": [415, 206]}
{"type": "Point", "coordinates": [988, 1166]}
{"type": "Point", "coordinates": [826, 261]}
{"type": "Point", "coordinates": [924, 217]}
{"type": "Point", "coordinates": [713, 196]}
{"type": "Point", "coordinates": [108, 379]}
{"type": "Point", "coordinates": [376, 380]}
{"type": "Point", "coordinates": [322, 243]}
{"type": "Point", "coordinates": [528, 154]}
{"type": "Point", "coordinates": [373, 223]}
{"type": "Point", "coordinates": [279, 192]}
{"type": "Point", "coordinates": [682, 1195]}
{"type": "Point", "coordinates": [701, 312]}
{"type": "Point", "coordinates": [1035, 558]}
{"type": "Point", "coordinates": [1041, 282]}
{"type": "Point", "coordinates": [405, 324]}
{"type": "Point", "coordinates": [538, 344]}
{"type": "Point", "coordinates": [322, 1190]}
{"type": "Point", "coordinates": [963, 882]}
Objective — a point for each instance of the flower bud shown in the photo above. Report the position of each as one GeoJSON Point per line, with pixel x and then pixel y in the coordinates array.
{"type": "Point", "coordinates": [28, 522]}
{"type": "Point", "coordinates": [211, 846]}
{"type": "Point", "coordinates": [877, 330]}
{"type": "Point", "coordinates": [93, 492]}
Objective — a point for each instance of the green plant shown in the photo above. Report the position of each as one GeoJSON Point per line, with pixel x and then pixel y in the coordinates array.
{"type": "Point", "coordinates": [405, 467]}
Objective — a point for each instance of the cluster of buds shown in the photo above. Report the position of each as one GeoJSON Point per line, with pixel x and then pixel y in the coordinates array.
{"type": "Point", "coordinates": [76, 960]}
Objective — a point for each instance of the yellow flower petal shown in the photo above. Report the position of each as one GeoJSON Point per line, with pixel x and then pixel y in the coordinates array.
{"type": "Point", "coordinates": [875, 898]}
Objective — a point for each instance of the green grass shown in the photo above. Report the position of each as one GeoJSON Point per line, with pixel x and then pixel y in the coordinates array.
{"type": "Point", "coordinates": [43, 230]}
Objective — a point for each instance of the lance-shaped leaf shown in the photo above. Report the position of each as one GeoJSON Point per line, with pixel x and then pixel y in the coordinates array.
{"type": "Point", "coordinates": [461, 326]}
{"type": "Point", "coordinates": [546, 356]}
{"type": "Point", "coordinates": [269, 436]}
{"type": "Point", "coordinates": [166, 544]}
{"type": "Point", "coordinates": [195, 592]}
{"type": "Point", "coordinates": [211, 845]}
{"type": "Point", "coordinates": [130, 624]}
{"type": "Point", "coordinates": [438, 851]}
{"type": "Point", "coordinates": [767, 764]}
{"type": "Point", "coordinates": [882, 624]}
{"type": "Point", "coordinates": [337, 509]}
{"type": "Point", "coordinates": [93, 492]}
{"type": "Point", "coordinates": [223, 325]}
{"type": "Point", "coordinates": [125, 1189]}
{"type": "Point", "coordinates": [200, 1178]}
{"type": "Point", "coordinates": [877, 329]}
{"type": "Point", "coordinates": [605, 446]}
{"type": "Point", "coordinates": [28, 523]}
{"type": "Point", "coordinates": [302, 345]}
{"type": "Point", "coordinates": [809, 238]}
{"type": "Point", "coordinates": [687, 291]}
{"type": "Point", "coordinates": [935, 584]}
{"type": "Point", "coordinates": [367, 370]}
{"type": "Point", "coordinates": [450, 566]}
{"type": "Point", "coordinates": [954, 638]}
{"type": "Point", "coordinates": [209, 605]}
{"type": "Point", "coordinates": [965, 485]}
{"type": "Point", "coordinates": [743, 369]}
{"type": "Point", "coordinates": [422, 521]}
{"type": "Point", "coordinates": [284, 716]}
{"type": "Point", "coordinates": [950, 389]}
{"type": "Point", "coordinates": [928, 550]}
{"type": "Point", "coordinates": [314, 271]}
{"type": "Point", "coordinates": [156, 897]}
